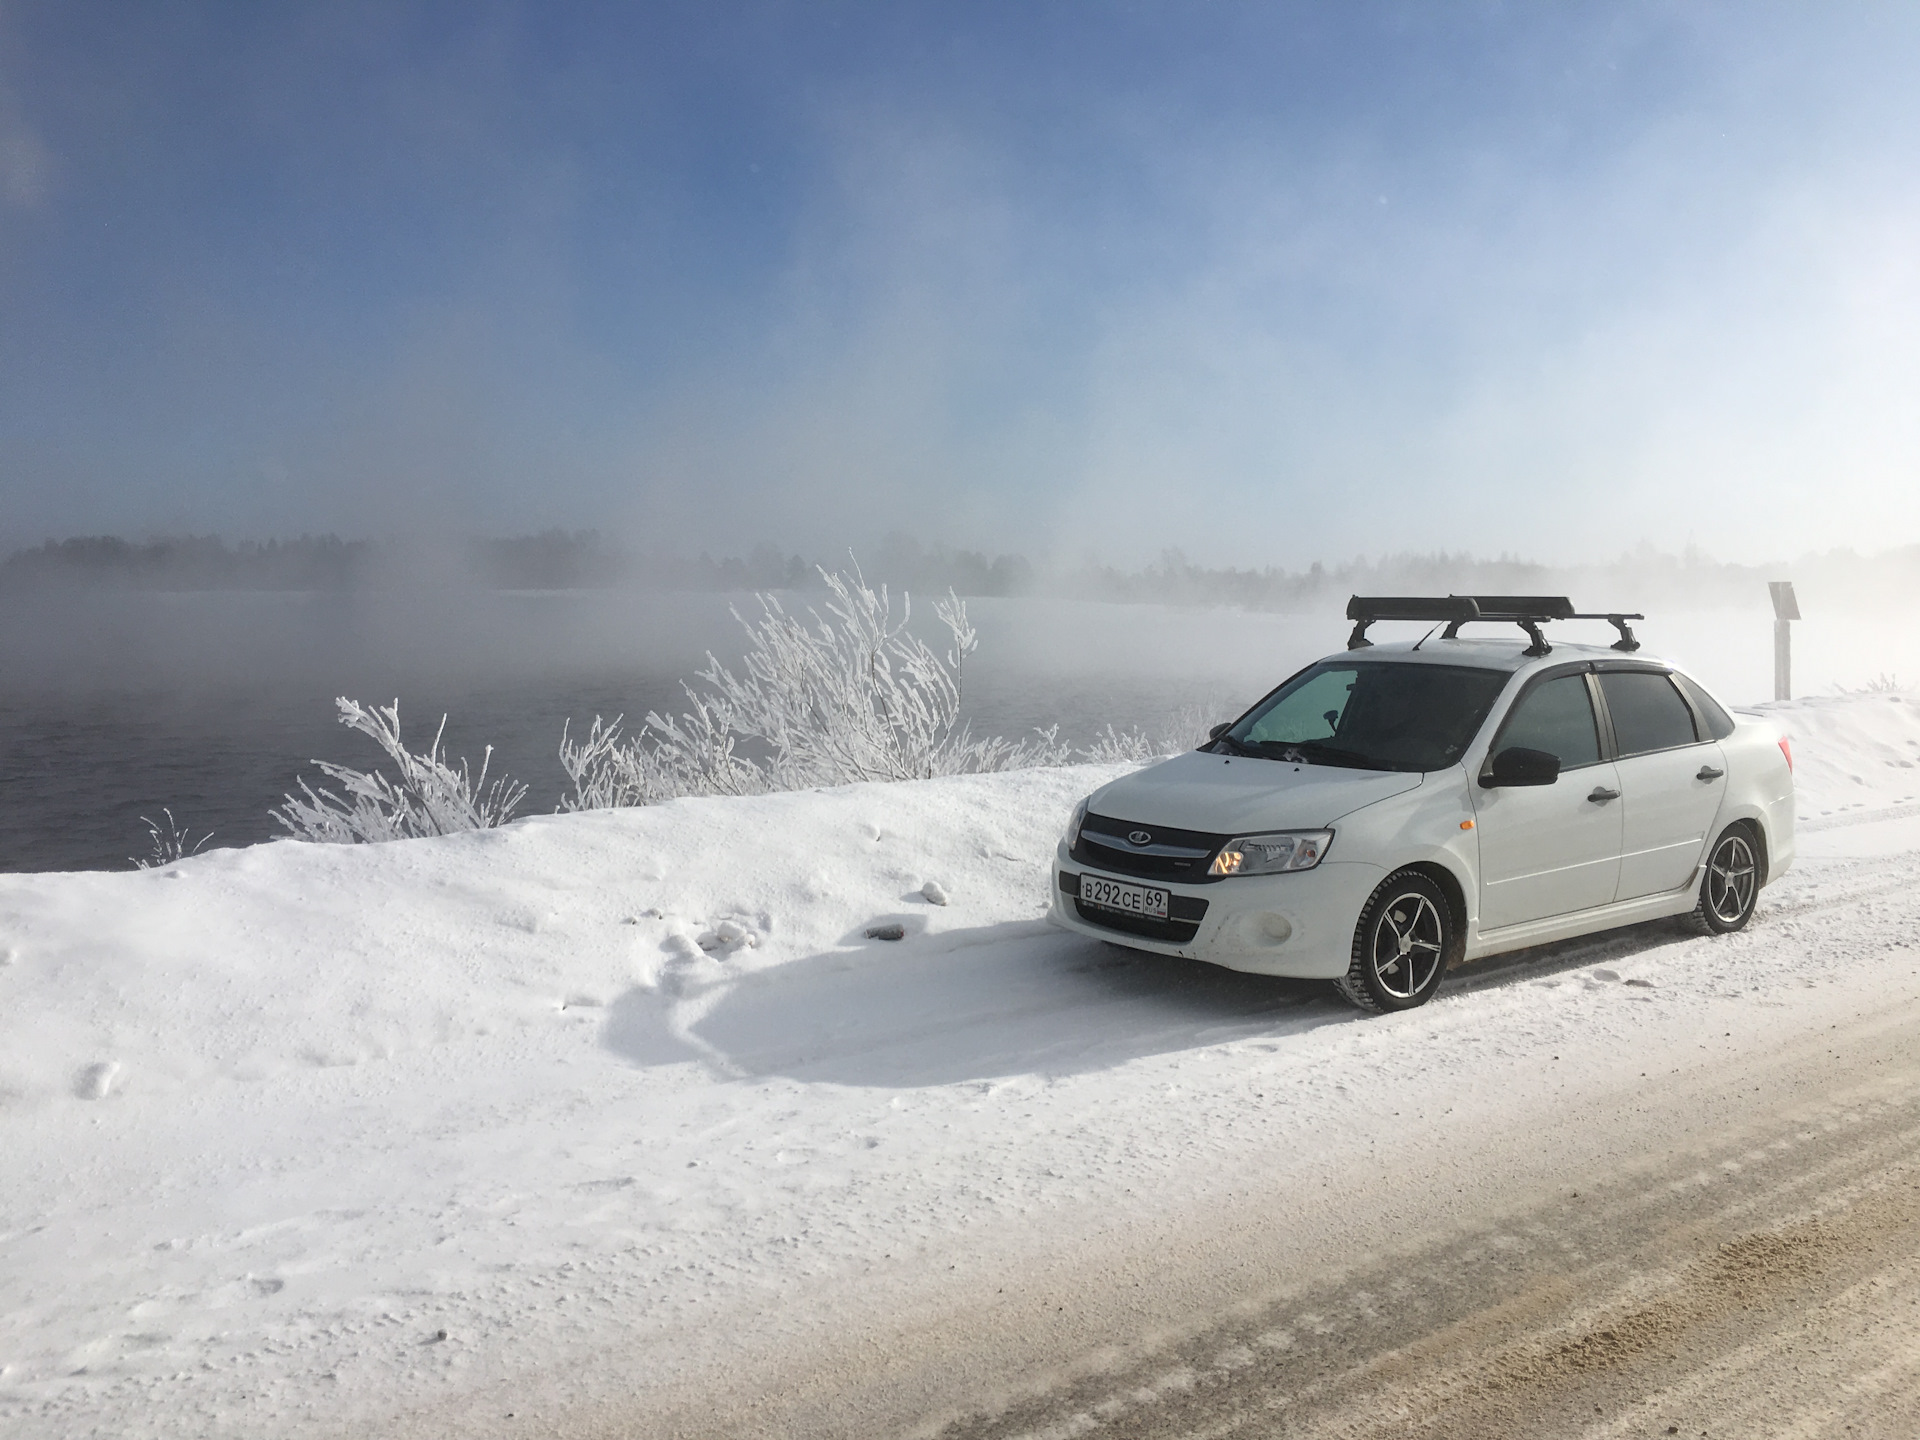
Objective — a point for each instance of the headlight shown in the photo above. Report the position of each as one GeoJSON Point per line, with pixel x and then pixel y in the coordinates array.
{"type": "Point", "coordinates": [1073, 825]}
{"type": "Point", "coordinates": [1271, 854]}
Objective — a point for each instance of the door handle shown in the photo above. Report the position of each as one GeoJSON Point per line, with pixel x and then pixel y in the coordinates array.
{"type": "Point", "coordinates": [1707, 772]}
{"type": "Point", "coordinates": [1601, 795]}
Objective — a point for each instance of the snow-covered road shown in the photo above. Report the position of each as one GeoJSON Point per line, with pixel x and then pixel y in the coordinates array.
{"type": "Point", "coordinates": [622, 1124]}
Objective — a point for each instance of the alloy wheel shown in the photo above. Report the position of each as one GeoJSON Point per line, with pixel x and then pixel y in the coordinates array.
{"type": "Point", "coordinates": [1731, 876]}
{"type": "Point", "coordinates": [1408, 944]}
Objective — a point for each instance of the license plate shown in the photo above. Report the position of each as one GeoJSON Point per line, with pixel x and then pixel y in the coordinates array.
{"type": "Point", "coordinates": [1141, 900]}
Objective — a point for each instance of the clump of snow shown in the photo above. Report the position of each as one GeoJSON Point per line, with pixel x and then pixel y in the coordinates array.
{"type": "Point", "coordinates": [96, 1080]}
{"type": "Point", "coordinates": [934, 893]}
{"type": "Point", "coordinates": [728, 936]}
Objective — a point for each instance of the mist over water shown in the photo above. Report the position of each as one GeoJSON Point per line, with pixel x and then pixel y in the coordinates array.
{"type": "Point", "coordinates": [214, 704]}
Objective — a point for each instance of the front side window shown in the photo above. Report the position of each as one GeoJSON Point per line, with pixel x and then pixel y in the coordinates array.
{"type": "Point", "coordinates": [1555, 716]}
{"type": "Point", "coordinates": [1370, 716]}
{"type": "Point", "coordinates": [1648, 713]}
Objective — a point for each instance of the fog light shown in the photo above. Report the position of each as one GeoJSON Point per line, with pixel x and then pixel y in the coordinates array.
{"type": "Point", "coordinates": [1275, 929]}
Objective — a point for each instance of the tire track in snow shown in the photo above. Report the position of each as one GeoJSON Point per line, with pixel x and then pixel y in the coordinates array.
{"type": "Point", "coordinates": [1676, 1294]}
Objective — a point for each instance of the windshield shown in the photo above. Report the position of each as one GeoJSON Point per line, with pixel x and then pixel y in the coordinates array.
{"type": "Point", "coordinates": [1369, 716]}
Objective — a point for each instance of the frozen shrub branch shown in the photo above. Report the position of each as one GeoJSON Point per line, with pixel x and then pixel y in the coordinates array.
{"type": "Point", "coordinates": [606, 774]}
{"type": "Point", "coordinates": [429, 797]}
{"type": "Point", "coordinates": [846, 696]}
{"type": "Point", "coordinates": [168, 843]}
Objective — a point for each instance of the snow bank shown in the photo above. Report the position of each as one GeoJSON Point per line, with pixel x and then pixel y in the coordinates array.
{"type": "Point", "coordinates": [316, 1103]}
{"type": "Point", "coordinates": [299, 1138]}
{"type": "Point", "coordinates": [1854, 755]}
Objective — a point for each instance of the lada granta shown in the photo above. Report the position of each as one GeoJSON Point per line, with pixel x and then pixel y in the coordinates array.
{"type": "Point", "coordinates": [1395, 809]}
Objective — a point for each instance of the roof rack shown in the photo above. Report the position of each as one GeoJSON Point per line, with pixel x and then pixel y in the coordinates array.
{"type": "Point", "coordinates": [1529, 612]}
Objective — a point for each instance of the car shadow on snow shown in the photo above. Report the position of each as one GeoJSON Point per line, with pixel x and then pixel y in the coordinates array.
{"type": "Point", "coordinates": [1014, 999]}
{"type": "Point", "coordinates": [972, 1004]}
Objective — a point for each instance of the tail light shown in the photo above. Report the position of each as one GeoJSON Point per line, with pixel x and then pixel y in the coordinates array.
{"type": "Point", "coordinates": [1786, 749]}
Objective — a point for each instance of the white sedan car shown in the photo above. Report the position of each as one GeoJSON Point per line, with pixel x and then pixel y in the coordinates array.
{"type": "Point", "coordinates": [1393, 810]}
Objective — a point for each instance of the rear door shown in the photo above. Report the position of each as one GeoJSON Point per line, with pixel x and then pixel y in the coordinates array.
{"type": "Point", "coordinates": [1550, 850]}
{"type": "Point", "coordinates": [1671, 780]}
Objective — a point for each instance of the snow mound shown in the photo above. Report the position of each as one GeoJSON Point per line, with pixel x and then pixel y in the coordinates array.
{"type": "Point", "coordinates": [1853, 753]}
{"type": "Point", "coordinates": [245, 964]}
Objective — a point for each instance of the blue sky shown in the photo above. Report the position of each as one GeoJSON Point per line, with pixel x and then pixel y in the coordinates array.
{"type": "Point", "coordinates": [1268, 283]}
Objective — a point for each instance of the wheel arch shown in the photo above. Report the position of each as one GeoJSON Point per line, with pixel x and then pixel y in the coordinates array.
{"type": "Point", "coordinates": [1455, 891]}
{"type": "Point", "coordinates": [1757, 827]}
{"type": "Point", "coordinates": [1754, 822]}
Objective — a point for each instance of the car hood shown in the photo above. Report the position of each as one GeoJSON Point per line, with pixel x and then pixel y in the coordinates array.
{"type": "Point", "coordinates": [1240, 795]}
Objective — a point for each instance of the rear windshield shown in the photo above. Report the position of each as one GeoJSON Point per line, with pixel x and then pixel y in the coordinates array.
{"type": "Point", "coordinates": [1369, 716]}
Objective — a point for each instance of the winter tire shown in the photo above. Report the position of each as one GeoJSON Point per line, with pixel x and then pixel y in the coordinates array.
{"type": "Point", "coordinates": [1731, 883]}
{"type": "Point", "coordinates": [1400, 946]}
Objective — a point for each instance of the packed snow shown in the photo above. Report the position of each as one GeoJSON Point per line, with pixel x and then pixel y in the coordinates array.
{"type": "Point", "coordinates": [300, 1139]}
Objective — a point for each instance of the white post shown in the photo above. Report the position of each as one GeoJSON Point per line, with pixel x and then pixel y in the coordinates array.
{"type": "Point", "coordinates": [1786, 610]}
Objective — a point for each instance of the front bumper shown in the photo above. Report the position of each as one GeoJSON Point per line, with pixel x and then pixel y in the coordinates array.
{"type": "Point", "coordinates": [1298, 925]}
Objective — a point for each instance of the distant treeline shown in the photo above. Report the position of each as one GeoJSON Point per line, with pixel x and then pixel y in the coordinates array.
{"type": "Point", "coordinates": [188, 562]}
{"type": "Point", "coordinates": [554, 560]}
{"type": "Point", "coordinates": [579, 560]}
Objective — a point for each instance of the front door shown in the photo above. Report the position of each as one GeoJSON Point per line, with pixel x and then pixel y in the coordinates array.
{"type": "Point", "coordinates": [1549, 850]}
{"type": "Point", "coordinates": [1670, 782]}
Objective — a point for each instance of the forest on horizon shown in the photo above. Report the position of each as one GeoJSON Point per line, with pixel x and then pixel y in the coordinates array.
{"type": "Point", "coordinates": [584, 560]}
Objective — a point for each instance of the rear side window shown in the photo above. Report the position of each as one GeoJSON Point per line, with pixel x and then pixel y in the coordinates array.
{"type": "Point", "coordinates": [1555, 716]}
{"type": "Point", "coordinates": [1648, 713]}
{"type": "Point", "coordinates": [1719, 723]}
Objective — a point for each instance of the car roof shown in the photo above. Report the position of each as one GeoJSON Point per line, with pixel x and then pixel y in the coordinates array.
{"type": "Point", "coordinates": [1487, 654]}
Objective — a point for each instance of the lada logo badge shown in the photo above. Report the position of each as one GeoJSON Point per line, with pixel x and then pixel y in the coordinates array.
{"type": "Point", "coordinates": [1139, 837]}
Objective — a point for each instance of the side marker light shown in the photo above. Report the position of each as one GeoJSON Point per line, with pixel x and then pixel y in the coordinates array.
{"type": "Point", "coordinates": [1466, 824]}
{"type": "Point", "coordinates": [1786, 749]}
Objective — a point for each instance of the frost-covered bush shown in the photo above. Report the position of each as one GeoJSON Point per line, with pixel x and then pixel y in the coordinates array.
{"type": "Point", "coordinates": [1882, 684]}
{"type": "Point", "coordinates": [1119, 747]}
{"type": "Point", "coordinates": [827, 698]}
{"type": "Point", "coordinates": [849, 695]}
{"type": "Point", "coordinates": [610, 771]}
{"type": "Point", "coordinates": [429, 797]}
{"type": "Point", "coordinates": [167, 843]}
{"type": "Point", "coordinates": [1184, 731]}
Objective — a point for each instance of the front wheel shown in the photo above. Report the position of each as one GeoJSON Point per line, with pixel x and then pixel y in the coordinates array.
{"type": "Point", "coordinates": [1732, 883]}
{"type": "Point", "coordinates": [1400, 946]}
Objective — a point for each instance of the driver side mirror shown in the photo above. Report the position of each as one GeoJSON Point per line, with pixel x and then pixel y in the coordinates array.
{"type": "Point", "coordinates": [1217, 731]}
{"type": "Point", "coordinates": [1517, 765]}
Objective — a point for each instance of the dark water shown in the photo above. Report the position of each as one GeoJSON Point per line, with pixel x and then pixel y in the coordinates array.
{"type": "Point", "coordinates": [214, 706]}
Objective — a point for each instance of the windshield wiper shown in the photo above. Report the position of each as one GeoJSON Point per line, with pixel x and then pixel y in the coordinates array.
{"type": "Point", "coordinates": [1317, 752]}
{"type": "Point", "coordinates": [1240, 747]}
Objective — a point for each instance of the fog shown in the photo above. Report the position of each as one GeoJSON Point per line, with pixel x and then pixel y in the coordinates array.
{"type": "Point", "coordinates": [213, 704]}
